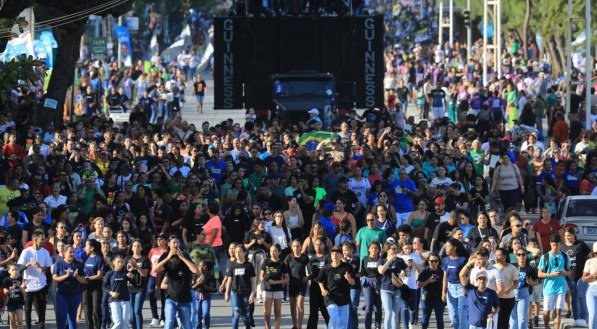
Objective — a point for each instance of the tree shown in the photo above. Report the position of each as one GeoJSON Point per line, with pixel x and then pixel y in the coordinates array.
{"type": "Point", "coordinates": [547, 18]}
{"type": "Point", "coordinates": [67, 36]}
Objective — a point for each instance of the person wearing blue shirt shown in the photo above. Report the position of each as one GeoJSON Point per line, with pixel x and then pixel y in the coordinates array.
{"type": "Point", "coordinates": [452, 291]}
{"type": "Point", "coordinates": [215, 165]}
{"type": "Point", "coordinates": [554, 268]}
{"type": "Point", "coordinates": [483, 302]}
{"type": "Point", "coordinates": [68, 276]}
{"type": "Point", "coordinates": [116, 281]}
{"type": "Point", "coordinates": [93, 270]}
{"type": "Point", "coordinates": [403, 190]}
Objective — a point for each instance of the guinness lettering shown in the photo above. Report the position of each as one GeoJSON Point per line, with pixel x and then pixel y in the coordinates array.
{"type": "Point", "coordinates": [369, 62]}
{"type": "Point", "coordinates": [228, 64]}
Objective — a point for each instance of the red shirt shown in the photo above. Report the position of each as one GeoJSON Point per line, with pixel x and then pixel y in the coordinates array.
{"type": "Point", "coordinates": [546, 231]}
{"type": "Point", "coordinates": [47, 246]}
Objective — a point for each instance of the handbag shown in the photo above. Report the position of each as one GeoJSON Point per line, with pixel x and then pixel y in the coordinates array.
{"type": "Point", "coordinates": [404, 289]}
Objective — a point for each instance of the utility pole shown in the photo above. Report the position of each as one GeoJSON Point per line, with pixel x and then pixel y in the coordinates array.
{"type": "Point", "coordinates": [569, 57]}
{"type": "Point", "coordinates": [588, 65]}
{"type": "Point", "coordinates": [469, 29]}
{"type": "Point", "coordinates": [451, 15]}
{"type": "Point", "coordinates": [118, 44]}
{"type": "Point", "coordinates": [496, 41]}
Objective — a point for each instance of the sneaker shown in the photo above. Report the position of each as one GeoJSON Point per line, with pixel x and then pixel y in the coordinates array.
{"type": "Point", "coordinates": [154, 322]}
{"type": "Point", "coordinates": [162, 323]}
{"type": "Point", "coordinates": [583, 323]}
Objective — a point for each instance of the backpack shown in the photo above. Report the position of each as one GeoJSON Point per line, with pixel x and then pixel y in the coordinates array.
{"type": "Point", "coordinates": [566, 260]}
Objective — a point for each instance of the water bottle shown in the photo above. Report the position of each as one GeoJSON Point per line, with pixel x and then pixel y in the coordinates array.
{"type": "Point", "coordinates": [217, 272]}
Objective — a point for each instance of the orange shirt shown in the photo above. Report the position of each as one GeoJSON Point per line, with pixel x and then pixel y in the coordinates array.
{"type": "Point", "coordinates": [561, 131]}
{"type": "Point", "coordinates": [213, 223]}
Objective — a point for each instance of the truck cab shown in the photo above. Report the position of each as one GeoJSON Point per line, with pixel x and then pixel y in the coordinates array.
{"type": "Point", "coordinates": [294, 94]}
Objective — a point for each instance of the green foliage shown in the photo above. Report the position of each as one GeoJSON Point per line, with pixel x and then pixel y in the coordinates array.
{"type": "Point", "coordinates": [8, 23]}
{"type": "Point", "coordinates": [19, 72]}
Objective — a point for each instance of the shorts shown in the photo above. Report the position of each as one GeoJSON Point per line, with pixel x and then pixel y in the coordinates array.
{"type": "Point", "coordinates": [294, 291]}
{"type": "Point", "coordinates": [537, 294]}
{"type": "Point", "coordinates": [273, 294]}
{"type": "Point", "coordinates": [11, 307]}
{"type": "Point", "coordinates": [199, 98]}
{"type": "Point", "coordinates": [554, 302]}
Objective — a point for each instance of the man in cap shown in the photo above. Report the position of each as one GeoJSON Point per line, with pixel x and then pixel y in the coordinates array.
{"type": "Point", "coordinates": [335, 280]}
{"type": "Point", "coordinates": [440, 215]}
{"type": "Point", "coordinates": [314, 117]}
{"type": "Point", "coordinates": [483, 302]}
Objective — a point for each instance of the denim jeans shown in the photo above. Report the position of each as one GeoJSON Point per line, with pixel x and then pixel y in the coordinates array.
{"type": "Point", "coordinates": [240, 308]}
{"type": "Point", "coordinates": [578, 294]}
{"type": "Point", "coordinates": [66, 309]}
{"type": "Point", "coordinates": [137, 299]}
{"type": "Point", "coordinates": [153, 301]}
{"type": "Point", "coordinates": [592, 305]}
{"type": "Point", "coordinates": [372, 300]}
{"type": "Point", "coordinates": [410, 311]}
{"type": "Point", "coordinates": [520, 313]}
{"type": "Point", "coordinates": [353, 317]}
{"type": "Point", "coordinates": [436, 305]}
{"type": "Point", "coordinates": [457, 306]}
{"type": "Point", "coordinates": [200, 311]}
{"type": "Point", "coordinates": [172, 308]}
{"type": "Point", "coordinates": [121, 314]}
{"type": "Point", "coordinates": [338, 316]}
{"type": "Point", "coordinates": [391, 301]}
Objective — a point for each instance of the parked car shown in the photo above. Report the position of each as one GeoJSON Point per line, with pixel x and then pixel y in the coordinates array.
{"type": "Point", "coordinates": [580, 212]}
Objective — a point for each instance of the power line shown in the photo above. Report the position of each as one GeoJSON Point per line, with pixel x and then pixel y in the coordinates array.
{"type": "Point", "coordinates": [55, 22]}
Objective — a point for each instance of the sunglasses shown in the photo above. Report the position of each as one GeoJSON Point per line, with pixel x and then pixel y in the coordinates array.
{"type": "Point", "coordinates": [370, 220]}
{"type": "Point", "coordinates": [521, 255]}
{"type": "Point", "coordinates": [434, 260]}
{"type": "Point", "coordinates": [267, 213]}
{"type": "Point", "coordinates": [519, 225]}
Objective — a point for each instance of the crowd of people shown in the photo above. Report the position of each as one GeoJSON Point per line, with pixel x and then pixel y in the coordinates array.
{"type": "Point", "coordinates": [453, 207]}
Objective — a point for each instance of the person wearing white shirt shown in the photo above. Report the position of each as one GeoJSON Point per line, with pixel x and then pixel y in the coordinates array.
{"type": "Point", "coordinates": [414, 265]}
{"type": "Point", "coordinates": [56, 199]}
{"type": "Point", "coordinates": [35, 261]}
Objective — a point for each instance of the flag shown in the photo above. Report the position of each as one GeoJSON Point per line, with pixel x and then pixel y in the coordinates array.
{"type": "Point", "coordinates": [312, 139]}
{"type": "Point", "coordinates": [406, 139]}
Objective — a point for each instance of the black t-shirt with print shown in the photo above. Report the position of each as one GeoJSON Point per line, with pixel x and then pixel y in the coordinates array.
{"type": "Point", "coordinates": [297, 269]}
{"type": "Point", "coordinates": [15, 297]}
{"type": "Point", "coordinates": [180, 278]}
{"type": "Point", "coordinates": [274, 270]}
{"type": "Point", "coordinates": [334, 281]}
{"type": "Point", "coordinates": [241, 275]}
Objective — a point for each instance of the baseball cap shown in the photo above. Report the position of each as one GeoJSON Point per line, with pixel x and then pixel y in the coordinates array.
{"type": "Point", "coordinates": [313, 111]}
{"type": "Point", "coordinates": [481, 274]}
{"type": "Point", "coordinates": [163, 236]}
{"type": "Point", "coordinates": [439, 200]}
{"type": "Point", "coordinates": [23, 187]}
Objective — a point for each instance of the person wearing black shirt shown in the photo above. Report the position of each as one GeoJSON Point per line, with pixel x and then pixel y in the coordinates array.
{"type": "Point", "coordinates": [114, 100]}
{"type": "Point", "coordinates": [273, 275]}
{"type": "Point", "coordinates": [352, 202]}
{"type": "Point", "coordinates": [16, 296]}
{"type": "Point", "coordinates": [199, 87]}
{"type": "Point", "coordinates": [179, 269]}
{"type": "Point", "coordinates": [138, 267]}
{"type": "Point", "coordinates": [335, 280]}
{"type": "Point", "coordinates": [298, 265]}
{"type": "Point", "coordinates": [393, 266]}
{"type": "Point", "coordinates": [578, 254]}
{"type": "Point", "coordinates": [430, 282]}
{"type": "Point", "coordinates": [527, 278]}
{"type": "Point", "coordinates": [240, 288]}
{"type": "Point", "coordinates": [371, 284]}
{"type": "Point", "coordinates": [482, 231]}
{"type": "Point", "coordinates": [116, 281]}
{"type": "Point", "coordinates": [443, 230]}
{"type": "Point", "coordinates": [316, 301]}
{"type": "Point", "coordinates": [89, 101]}
{"type": "Point", "coordinates": [349, 258]}
{"type": "Point", "coordinates": [267, 199]}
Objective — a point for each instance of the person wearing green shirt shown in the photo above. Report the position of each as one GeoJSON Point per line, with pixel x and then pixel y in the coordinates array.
{"type": "Point", "coordinates": [256, 177]}
{"type": "Point", "coordinates": [511, 109]}
{"type": "Point", "coordinates": [540, 106]}
{"type": "Point", "coordinates": [320, 192]}
{"type": "Point", "coordinates": [476, 156]}
{"type": "Point", "coordinates": [368, 234]}
{"type": "Point", "coordinates": [201, 251]}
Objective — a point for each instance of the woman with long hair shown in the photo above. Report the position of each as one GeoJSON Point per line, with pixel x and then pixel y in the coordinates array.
{"type": "Point", "coordinates": [589, 276]}
{"type": "Point", "coordinates": [340, 214]}
{"type": "Point", "coordinates": [383, 222]}
{"type": "Point", "coordinates": [482, 231]}
{"type": "Point", "coordinates": [317, 231]}
{"type": "Point", "coordinates": [294, 218]}
{"type": "Point", "coordinates": [257, 242]}
{"type": "Point", "coordinates": [94, 268]}
{"type": "Point", "coordinates": [280, 233]}
{"type": "Point", "coordinates": [507, 183]}
{"type": "Point", "coordinates": [205, 285]}
{"type": "Point", "coordinates": [391, 299]}
{"type": "Point", "coordinates": [414, 263]}
{"type": "Point", "coordinates": [578, 251]}
{"type": "Point", "coordinates": [67, 274]}
{"type": "Point", "coordinates": [527, 278]}
{"type": "Point", "coordinates": [371, 285]}
{"type": "Point", "coordinates": [298, 265]}
{"type": "Point", "coordinates": [97, 224]}
{"type": "Point", "coordinates": [430, 282]}
{"type": "Point", "coordinates": [273, 275]}
{"type": "Point", "coordinates": [122, 247]}
{"type": "Point", "coordinates": [452, 290]}
{"type": "Point", "coordinates": [240, 288]}
{"type": "Point", "coordinates": [153, 289]}
{"type": "Point", "coordinates": [138, 267]}
{"type": "Point", "coordinates": [316, 302]}
{"type": "Point", "coordinates": [417, 218]}
{"type": "Point", "coordinates": [144, 232]}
